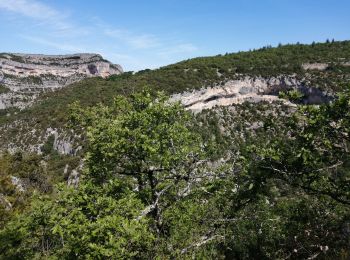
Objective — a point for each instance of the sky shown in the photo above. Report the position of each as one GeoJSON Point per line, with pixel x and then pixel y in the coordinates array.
{"type": "Point", "coordinates": [140, 34]}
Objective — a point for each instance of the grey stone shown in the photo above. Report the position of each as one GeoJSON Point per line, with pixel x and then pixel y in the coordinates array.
{"type": "Point", "coordinates": [28, 75]}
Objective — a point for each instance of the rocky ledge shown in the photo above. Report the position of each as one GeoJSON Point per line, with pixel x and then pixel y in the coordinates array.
{"type": "Point", "coordinates": [24, 76]}
{"type": "Point", "coordinates": [249, 89]}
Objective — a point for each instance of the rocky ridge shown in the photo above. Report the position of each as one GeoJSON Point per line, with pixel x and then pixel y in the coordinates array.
{"type": "Point", "coordinates": [24, 76]}
{"type": "Point", "coordinates": [250, 89]}
{"type": "Point", "coordinates": [233, 92]}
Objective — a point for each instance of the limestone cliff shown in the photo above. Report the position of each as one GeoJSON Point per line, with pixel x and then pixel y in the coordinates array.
{"type": "Point", "coordinates": [24, 76]}
{"type": "Point", "coordinates": [250, 89]}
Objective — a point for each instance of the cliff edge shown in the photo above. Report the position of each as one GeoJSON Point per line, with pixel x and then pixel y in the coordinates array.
{"type": "Point", "coordinates": [24, 76]}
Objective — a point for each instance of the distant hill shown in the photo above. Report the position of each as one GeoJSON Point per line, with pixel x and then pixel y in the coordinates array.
{"type": "Point", "coordinates": [260, 170]}
{"type": "Point", "coordinates": [318, 70]}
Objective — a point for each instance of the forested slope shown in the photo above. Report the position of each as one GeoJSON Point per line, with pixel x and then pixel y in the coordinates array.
{"type": "Point", "coordinates": [151, 180]}
{"type": "Point", "coordinates": [200, 72]}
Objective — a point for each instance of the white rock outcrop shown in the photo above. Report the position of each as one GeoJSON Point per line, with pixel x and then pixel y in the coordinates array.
{"type": "Point", "coordinates": [250, 89]}
{"type": "Point", "coordinates": [234, 92]}
{"type": "Point", "coordinates": [315, 66]}
{"type": "Point", "coordinates": [25, 76]}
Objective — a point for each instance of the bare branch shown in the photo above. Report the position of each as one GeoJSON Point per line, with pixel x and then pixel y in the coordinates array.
{"type": "Point", "coordinates": [204, 240]}
{"type": "Point", "coordinates": [151, 207]}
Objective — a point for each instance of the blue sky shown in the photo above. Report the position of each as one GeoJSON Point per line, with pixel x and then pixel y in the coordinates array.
{"type": "Point", "coordinates": [141, 34]}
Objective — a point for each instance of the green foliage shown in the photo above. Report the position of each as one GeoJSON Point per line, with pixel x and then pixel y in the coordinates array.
{"type": "Point", "coordinates": [28, 167]}
{"type": "Point", "coordinates": [145, 138]}
{"type": "Point", "coordinates": [147, 193]}
{"type": "Point", "coordinates": [306, 168]}
{"type": "Point", "coordinates": [137, 135]}
{"type": "Point", "coordinates": [31, 175]}
{"type": "Point", "coordinates": [140, 156]}
{"type": "Point", "coordinates": [23, 174]}
{"type": "Point", "coordinates": [48, 148]}
{"type": "Point", "coordinates": [293, 95]}
{"type": "Point", "coordinates": [188, 75]}
{"type": "Point", "coordinates": [91, 222]}
{"type": "Point", "coordinates": [316, 155]}
{"type": "Point", "coordinates": [3, 89]}
{"type": "Point", "coordinates": [12, 57]}
{"type": "Point", "coordinates": [251, 181]}
{"type": "Point", "coordinates": [16, 58]}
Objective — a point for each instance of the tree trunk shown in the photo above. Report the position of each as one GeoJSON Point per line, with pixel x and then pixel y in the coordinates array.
{"type": "Point", "coordinates": [156, 213]}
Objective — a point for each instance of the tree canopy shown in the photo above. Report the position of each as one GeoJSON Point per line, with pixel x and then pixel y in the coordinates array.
{"type": "Point", "coordinates": [152, 187]}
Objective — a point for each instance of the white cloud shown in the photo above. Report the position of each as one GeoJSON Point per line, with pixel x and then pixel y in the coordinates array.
{"type": "Point", "coordinates": [143, 41]}
{"type": "Point", "coordinates": [38, 11]}
{"type": "Point", "coordinates": [60, 31]}
{"type": "Point", "coordinates": [148, 41]}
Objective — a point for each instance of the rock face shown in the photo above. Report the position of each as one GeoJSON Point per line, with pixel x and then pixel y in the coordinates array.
{"type": "Point", "coordinates": [315, 66]}
{"type": "Point", "coordinates": [24, 76]}
{"type": "Point", "coordinates": [251, 89]}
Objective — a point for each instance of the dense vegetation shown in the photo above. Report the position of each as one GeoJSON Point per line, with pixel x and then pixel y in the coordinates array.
{"type": "Point", "coordinates": [194, 74]}
{"type": "Point", "coordinates": [150, 189]}
{"type": "Point", "coordinates": [3, 89]}
{"type": "Point", "coordinates": [250, 181]}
